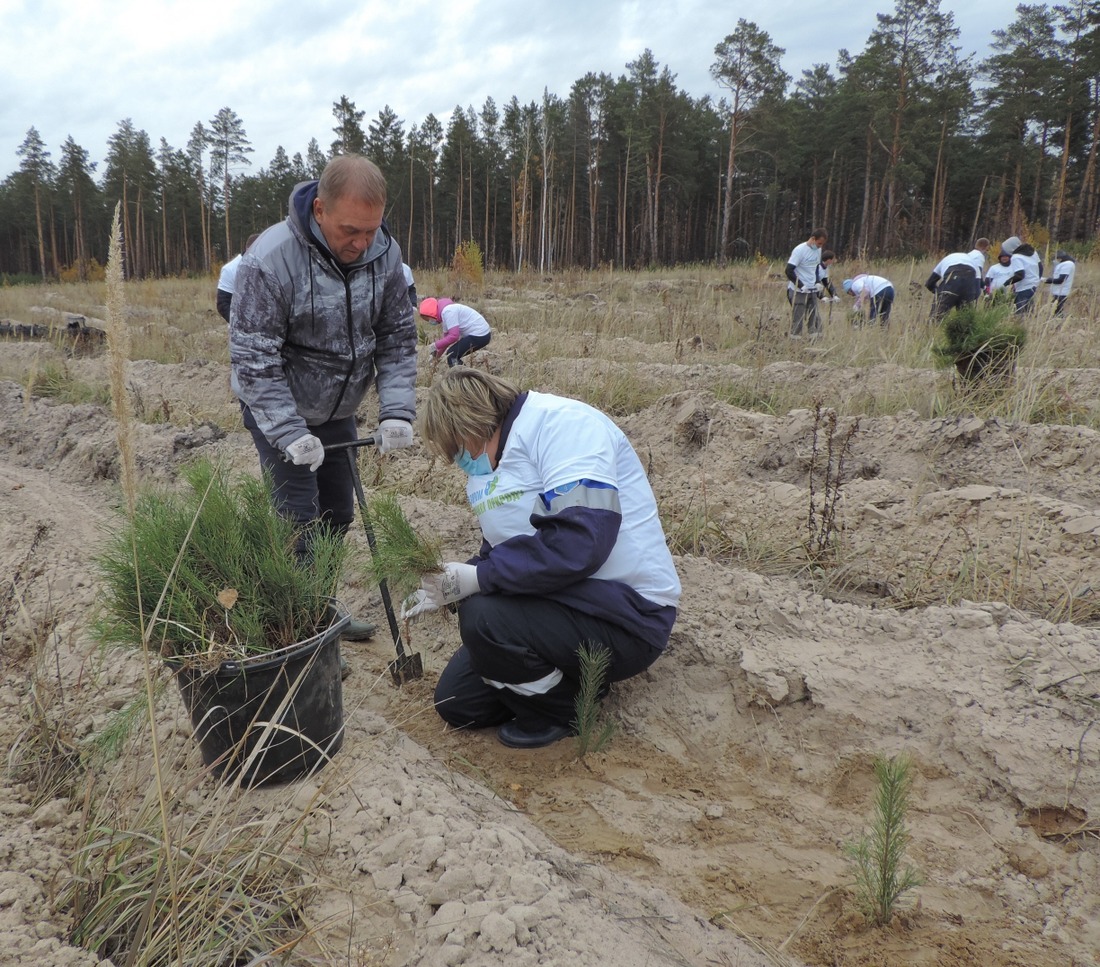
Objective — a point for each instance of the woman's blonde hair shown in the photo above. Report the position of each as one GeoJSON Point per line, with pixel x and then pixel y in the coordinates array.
{"type": "Point", "coordinates": [464, 406]}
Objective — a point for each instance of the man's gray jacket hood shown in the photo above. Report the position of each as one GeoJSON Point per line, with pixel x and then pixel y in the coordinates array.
{"type": "Point", "coordinates": [308, 335]}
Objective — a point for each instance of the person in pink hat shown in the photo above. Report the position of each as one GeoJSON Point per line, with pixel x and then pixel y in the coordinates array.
{"type": "Point", "coordinates": [464, 329]}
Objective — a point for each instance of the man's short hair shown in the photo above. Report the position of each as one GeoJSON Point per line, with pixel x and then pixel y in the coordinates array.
{"type": "Point", "coordinates": [819, 234]}
{"type": "Point", "coordinates": [352, 175]}
{"type": "Point", "coordinates": [982, 244]}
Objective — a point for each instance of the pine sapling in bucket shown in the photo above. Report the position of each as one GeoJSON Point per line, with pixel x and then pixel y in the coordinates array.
{"type": "Point", "coordinates": [981, 340]}
{"type": "Point", "coordinates": [213, 578]}
{"type": "Point", "coordinates": [878, 858]}
{"type": "Point", "coordinates": [211, 573]}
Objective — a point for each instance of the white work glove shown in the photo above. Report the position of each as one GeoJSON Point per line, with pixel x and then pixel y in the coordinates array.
{"type": "Point", "coordinates": [307, 450]}
{"type": "Point", "coordinates": [819, 289]}
{"type": "Point", "coordinates": [835, 298]}
{"type": "Point", "coordinates": [455, 582]}
{"type": "Point", "coordinates": [393, 435]}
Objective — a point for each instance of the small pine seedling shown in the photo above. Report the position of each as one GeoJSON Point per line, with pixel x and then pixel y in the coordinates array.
{"type": "Point", "coordinates": [878, 857]}
{"type": "Point", "coordinates": [594, 731]}
{"type": "Point", "coordinates": [401, 554]}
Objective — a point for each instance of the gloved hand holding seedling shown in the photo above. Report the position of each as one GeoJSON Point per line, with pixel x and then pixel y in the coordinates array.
{"type": "Point", "coordinates": [438, 588]}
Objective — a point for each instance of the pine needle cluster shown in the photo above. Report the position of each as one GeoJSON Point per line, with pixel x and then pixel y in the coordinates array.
{"type": "Point", "coordinates": [593, 730]}
{"type": "Point", "coordinates": [401, 554]}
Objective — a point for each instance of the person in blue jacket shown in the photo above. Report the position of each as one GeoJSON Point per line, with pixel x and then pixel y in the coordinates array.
{"type": "Point", "coordinates": [573, 554]}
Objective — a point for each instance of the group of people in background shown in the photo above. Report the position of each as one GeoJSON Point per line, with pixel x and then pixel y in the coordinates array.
{"type": "Point", "coordinates": [808, 284]}
{"type": "Point", "coordinates": [962, 277]}
{"type": "Point", "coordinates": [958, 278]}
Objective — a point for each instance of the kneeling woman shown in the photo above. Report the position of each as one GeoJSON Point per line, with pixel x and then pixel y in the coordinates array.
{"type": "Point", "coordinates": [573, 554]}
{"type": "Point", "coordinates": [464, 329]}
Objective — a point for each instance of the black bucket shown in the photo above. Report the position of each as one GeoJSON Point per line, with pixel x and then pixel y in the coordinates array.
{"type": "Point", "coordinates": [271, 718]}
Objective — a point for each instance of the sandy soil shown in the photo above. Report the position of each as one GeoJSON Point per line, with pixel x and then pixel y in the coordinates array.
{"type": "Point", "coordinates": [712, 829]}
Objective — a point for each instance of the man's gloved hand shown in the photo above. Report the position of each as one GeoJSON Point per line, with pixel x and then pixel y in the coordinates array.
{"type": "Point", "coordinates": [455, 582]}
{"type": "Point", "coordinates": [393, 435]}
{"type": "Point", "coordinates": [819, 289]}
{"type": "Point", "coordinates": [835, 298]}
{"type": "Point", "coordinates": [306, 450]}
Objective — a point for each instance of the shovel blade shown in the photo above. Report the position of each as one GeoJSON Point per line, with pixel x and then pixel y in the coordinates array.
{"type": "Point", "coordinates": [406, 668]}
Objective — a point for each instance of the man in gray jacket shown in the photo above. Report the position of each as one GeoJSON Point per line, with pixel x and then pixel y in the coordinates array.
{"type": "Point", "coordinates": [320, 314]}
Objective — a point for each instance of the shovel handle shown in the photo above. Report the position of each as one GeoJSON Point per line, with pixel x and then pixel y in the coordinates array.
{"type": "Point", "coordinates": [361, 499]}
{"type": "Point", "coordinates": [367, 441]}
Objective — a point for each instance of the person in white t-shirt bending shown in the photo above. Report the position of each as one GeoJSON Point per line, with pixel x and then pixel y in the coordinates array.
{"type": "Point", "coordinates": [1061, 280]}
{"type": "Point", "coordinates": [801, 271]}
{"type": "Point", "coordinates": [874, 291]}
{"type": "Point", "coordinates": [464, 329]}
{"type": "Point", "coordinates": [957, 279]}
{"type": "Point", "coordinates": [573, 556]}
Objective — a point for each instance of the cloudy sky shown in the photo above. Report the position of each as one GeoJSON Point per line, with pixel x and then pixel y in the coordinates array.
{"type": "Point", "coordinates": [78, 68]}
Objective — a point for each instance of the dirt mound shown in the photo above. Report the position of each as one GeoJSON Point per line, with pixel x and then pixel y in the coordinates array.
{"type": "Point", "coordinates": [743, 763]}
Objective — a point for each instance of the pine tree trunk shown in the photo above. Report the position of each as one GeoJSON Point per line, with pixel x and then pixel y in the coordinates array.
{"type": "Point", "coordinates": [41, 237]}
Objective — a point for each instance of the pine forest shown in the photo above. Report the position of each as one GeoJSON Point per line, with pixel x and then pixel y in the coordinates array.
{"type": "Point", "coordinates": [906, 147]}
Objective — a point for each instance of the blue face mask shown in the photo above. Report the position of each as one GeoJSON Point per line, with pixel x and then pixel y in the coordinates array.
{"type": "Point", "coordinates": [473, 468]}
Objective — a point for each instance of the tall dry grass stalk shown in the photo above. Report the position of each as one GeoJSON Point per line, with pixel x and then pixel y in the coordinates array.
{"type": "Point", "coordinates": [118, 354]}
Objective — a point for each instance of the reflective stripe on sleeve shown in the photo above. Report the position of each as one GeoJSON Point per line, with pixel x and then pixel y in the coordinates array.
{"type": "Point", "coordinates": [541, 687]}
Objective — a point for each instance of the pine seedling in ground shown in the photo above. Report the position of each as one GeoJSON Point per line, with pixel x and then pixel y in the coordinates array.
{"type": "Point", "coordinates": [878, 858]}
{"type": "Point", "coordinates": [401, 554]}
{"type": "Point", "coordinates": [594, 730]}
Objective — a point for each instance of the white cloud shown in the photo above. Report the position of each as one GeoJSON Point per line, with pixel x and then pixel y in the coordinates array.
{"type": "Point", "coordinates": [78, 69]}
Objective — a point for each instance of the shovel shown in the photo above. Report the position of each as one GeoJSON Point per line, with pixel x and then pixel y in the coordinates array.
{"type": "Point", "coordinates": [405, 667]}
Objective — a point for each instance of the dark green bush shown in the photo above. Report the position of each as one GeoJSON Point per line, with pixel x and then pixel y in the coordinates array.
{"type": "Point", "coordinates": [981, 339]}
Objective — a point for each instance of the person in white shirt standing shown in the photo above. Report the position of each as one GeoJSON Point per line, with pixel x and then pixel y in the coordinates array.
{"type": "Point", "coordinates": [801, 270]}
{"type": "Point", "coordinates": [1061, 280]}
{"type": "Point", "coordinates": [828, 260]}
{"type": "Point", "coordinates": [410, 282]}
{"type": "Point", "coordinates": [996, 279]}
{"type": "Point", "coordinates": [1027, 271]}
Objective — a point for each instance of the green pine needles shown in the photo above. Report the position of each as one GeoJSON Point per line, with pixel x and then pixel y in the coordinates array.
{"type": "Point", "coordinates": [400, 555]}
{"type": "Point", "coordinates": [981, 338]}
{"type": "Point", "coordinates": [878, 859]}
{"type": "Point", "coordinates": [213, 572]}
{"type": "Point", "coordinates": [594, 731]}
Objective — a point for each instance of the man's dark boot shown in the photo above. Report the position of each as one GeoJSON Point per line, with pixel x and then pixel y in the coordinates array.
{"type": "Point", "coordinates": [358, 630]}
